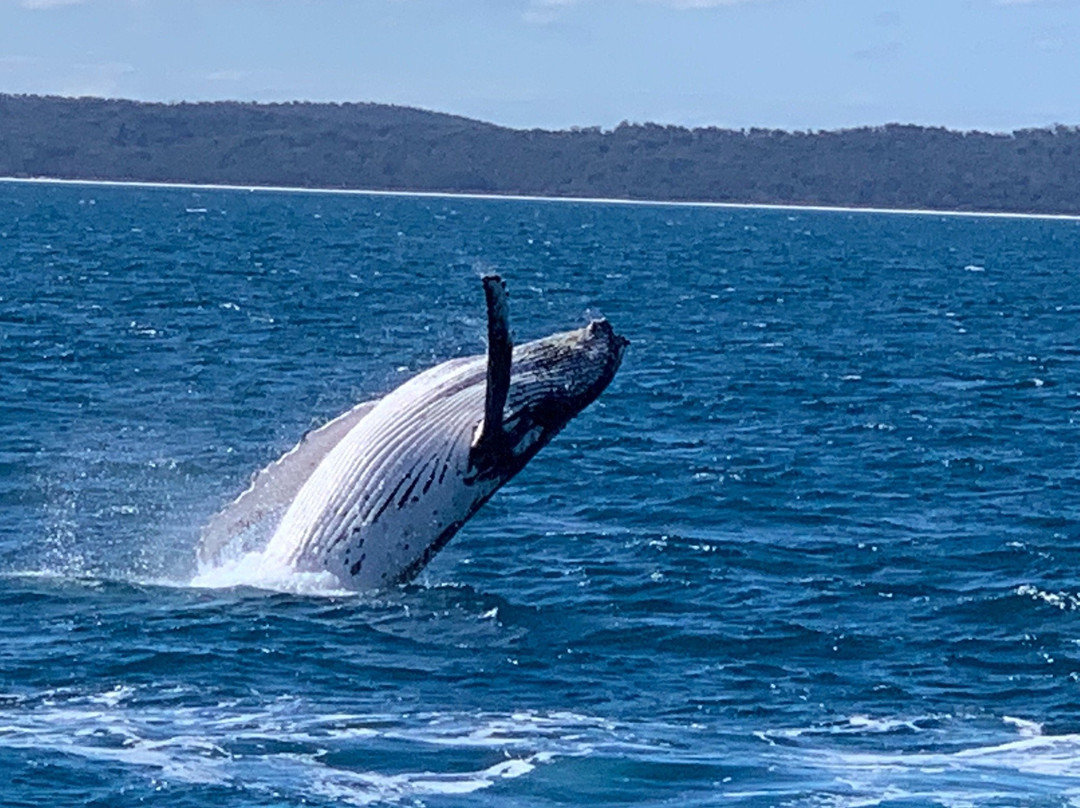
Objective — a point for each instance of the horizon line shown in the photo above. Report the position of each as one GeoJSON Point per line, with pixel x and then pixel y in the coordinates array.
{"type": "Point", "coordinates": [286, 189]}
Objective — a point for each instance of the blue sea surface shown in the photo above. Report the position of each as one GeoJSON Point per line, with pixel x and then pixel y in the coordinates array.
{"type": "Point", "coordinates": [817, 545]}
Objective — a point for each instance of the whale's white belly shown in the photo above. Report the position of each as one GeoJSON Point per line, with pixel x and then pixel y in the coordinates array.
{"type": "Point", "coordinates": [397, 482]}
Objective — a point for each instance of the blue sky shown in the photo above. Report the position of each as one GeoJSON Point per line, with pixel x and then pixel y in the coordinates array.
{"type": "Point", "coordinates": [795, 64]}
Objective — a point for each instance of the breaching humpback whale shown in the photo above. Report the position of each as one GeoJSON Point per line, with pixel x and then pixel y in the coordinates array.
{"type": "Point", "coordinates": [374, 494]}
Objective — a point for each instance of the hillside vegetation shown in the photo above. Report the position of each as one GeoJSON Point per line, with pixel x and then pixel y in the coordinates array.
{"type": "Point", "coordinates": [381, 147]}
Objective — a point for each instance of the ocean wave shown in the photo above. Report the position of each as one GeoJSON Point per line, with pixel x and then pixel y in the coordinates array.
{"type": "Point", "coordinates": [937, 760]}
{"type": "Point", "coordinates": [300, 751]}
{"type": "Point", "coordinates": [288, 748]}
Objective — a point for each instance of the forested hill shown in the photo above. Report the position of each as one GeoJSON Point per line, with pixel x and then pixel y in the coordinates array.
{"type": "Point", "coordinates": [382, 147]}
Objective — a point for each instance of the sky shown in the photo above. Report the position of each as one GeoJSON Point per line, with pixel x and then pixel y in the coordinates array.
{"type": "Point", "coordinates": [794, 64]}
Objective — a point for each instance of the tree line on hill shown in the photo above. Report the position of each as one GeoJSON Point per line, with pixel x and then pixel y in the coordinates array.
{"type": "Point", "coordinates": [380, 147]}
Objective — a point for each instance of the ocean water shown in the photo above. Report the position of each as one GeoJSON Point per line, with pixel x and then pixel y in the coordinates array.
{"type": "Point", "coordinates": [818, 544]}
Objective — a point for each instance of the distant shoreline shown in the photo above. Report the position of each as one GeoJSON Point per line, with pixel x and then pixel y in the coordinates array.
{"type": "Point", "coordinates": [384, 148]}
{"type": "Point", "coordinates": [284, 189]}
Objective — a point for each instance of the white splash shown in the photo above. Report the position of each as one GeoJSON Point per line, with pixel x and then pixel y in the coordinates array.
{"type": "Point", "coordinates": [256, 571]}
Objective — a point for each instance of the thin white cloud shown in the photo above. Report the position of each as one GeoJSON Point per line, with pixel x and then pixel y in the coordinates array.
{"type": "Point", "coordinates": [227, 75]}
{"type": "Point", "coordinates": [544, 12]}
{"type": "Point", "coordinates": [43, 5]}
{"type": "Point", "coordinates": [689, 4]}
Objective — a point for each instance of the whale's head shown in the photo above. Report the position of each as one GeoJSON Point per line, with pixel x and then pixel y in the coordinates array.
{"type": "Point", "coordinates": [551, 381]}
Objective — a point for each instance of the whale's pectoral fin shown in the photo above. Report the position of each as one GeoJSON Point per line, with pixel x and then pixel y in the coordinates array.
{"type": "Point", "coordinates": [490, 437]}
